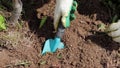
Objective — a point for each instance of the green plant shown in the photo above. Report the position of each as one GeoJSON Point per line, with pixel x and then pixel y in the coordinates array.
{"type": "Point", "coordinates": [59, 56]}
{"type": "Point", "coordinates": [43, 21]}
{"type": "Point", "coordinates": [101, 26]}
{"type": "Point", "coordinates": [2, 23]}
{"type": "Point", "coordinates": [23, 63]}
{"type": "Point", "coordinates": [6, 4]}
{"type": "Point", "coordinates": [42, 62]}
{"type": "Point", "coordinates": [114, 7]}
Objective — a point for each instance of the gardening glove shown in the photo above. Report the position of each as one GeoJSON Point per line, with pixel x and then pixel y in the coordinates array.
{"type": "Point", "coordinates": [64, 12]}
{"type": "Point", "coordinates": [114, 31]}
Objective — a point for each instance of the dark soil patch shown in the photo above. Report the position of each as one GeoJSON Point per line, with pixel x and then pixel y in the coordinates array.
{"type": "Point", "coordinates": [86, 46]}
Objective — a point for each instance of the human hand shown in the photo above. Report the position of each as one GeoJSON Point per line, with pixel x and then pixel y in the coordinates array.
{"type": "Point", "coordinates": [64, 12]}
{"type": "Point", "coordinates": [114, 31]}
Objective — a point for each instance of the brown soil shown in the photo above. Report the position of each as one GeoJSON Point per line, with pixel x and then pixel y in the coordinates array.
{"type": "Point", "coordinates": [85, 45]}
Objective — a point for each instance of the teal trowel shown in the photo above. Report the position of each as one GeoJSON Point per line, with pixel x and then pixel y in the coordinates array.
{"type": "Point", "coordinates": [51, 45]}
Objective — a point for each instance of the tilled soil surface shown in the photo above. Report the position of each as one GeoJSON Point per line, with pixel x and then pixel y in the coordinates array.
{"type": "Point", "coordinates": [85, 45]}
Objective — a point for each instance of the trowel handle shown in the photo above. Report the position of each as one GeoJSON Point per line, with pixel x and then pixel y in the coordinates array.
{"type": "Point", "coordinates": [60, 31]}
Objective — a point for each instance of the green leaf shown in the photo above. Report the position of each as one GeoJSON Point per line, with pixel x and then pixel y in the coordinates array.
{"type": "Point", "coordinates": [43, 21]}
{"type": "Point", "coordinates": [101, 26]}
{"type": "Point", "coordinates": [2, 23]}
{"type": "Point", "coordinates": [115, 18]}
{"type": "Point", "coordinates": [59, 56]}
{"type": "Point", "coordinates": [43, 62]}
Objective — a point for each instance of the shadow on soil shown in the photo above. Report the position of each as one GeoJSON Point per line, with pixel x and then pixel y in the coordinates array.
{"type": "Point", "coordinates": [104, 41]}
{"type": "Point", "coordinates": [90, 7]}
{"type": "Point", "coordinates": [30, 14]}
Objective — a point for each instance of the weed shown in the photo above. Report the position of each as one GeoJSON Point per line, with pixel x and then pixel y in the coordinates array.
{"type": "Point", "coordinates": [23, 63]}
{"type": "Point", "coordinates": [2, 23]}
{"type": "Point", "coordinates": [59, 56]}
{"type": "Point", "coordinates": [42, 62]}
{"type": "Point", "coordinates": [12, 38]}
{"type": "Point", "coordinates": [114, 7]}
{"type": "Point", "coordinates": [101, 27]}
{"type": "Point", "coordinates": [43, 21]}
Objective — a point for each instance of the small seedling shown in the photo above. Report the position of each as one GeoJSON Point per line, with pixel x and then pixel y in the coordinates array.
{"type": "Point", "coordinates": [115, 18]}
{"type": "Point", "coordinates": [42, 62]}
{"type": "Point", "coordinates": [59, 56]}
{"type": "Point", "coordinates": [101, 26]}
{"type": "Point", "coordinates": [23, 63]}
{"type": "Point", "coordinates": [19, 25]}
{"type": "Point", "coordinates": [43, 21]}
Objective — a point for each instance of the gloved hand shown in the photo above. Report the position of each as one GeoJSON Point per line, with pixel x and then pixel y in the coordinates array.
{"type": "Point", "coordinates": [114, 31]}
{"type": "Point", "coordinates": [64, 12]}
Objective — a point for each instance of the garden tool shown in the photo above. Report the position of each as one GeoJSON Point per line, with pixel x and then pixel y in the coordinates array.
{"type": "Point", "coordinates": [64, 13]}
{"type": "Point", "coordinates": [51, 45]}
